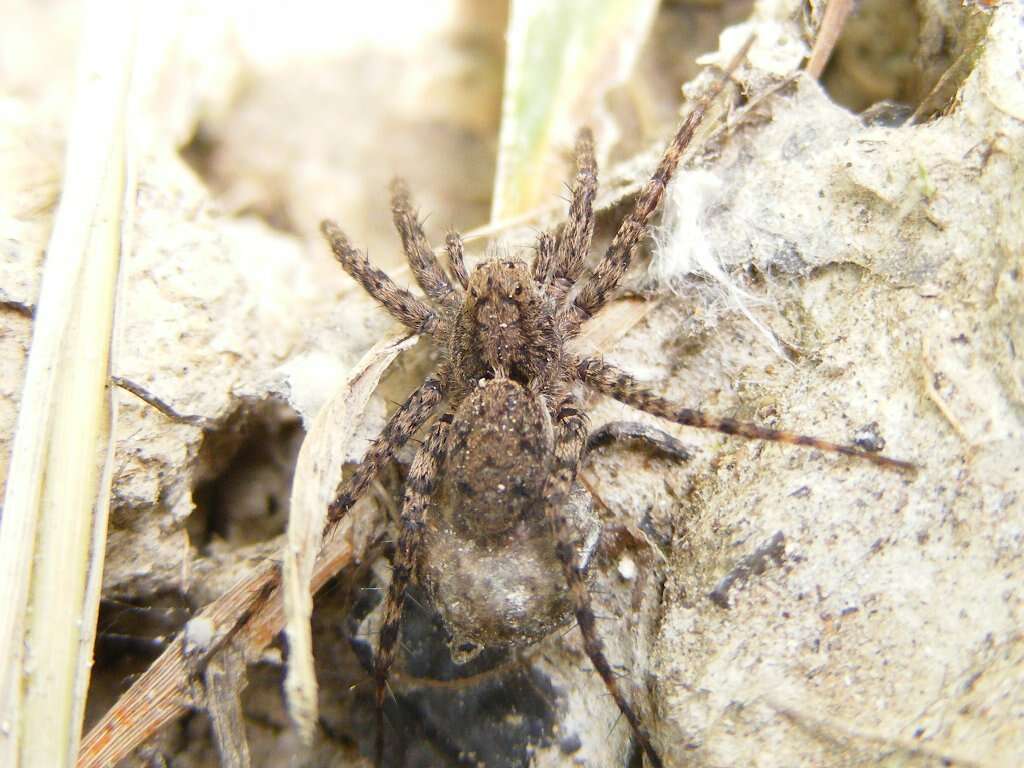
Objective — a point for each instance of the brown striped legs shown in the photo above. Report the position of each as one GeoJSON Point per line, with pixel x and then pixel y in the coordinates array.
{"type": "Point", "coordinates": [456, 258]}
{"type": "Point", "coordinates": [419, 488]}
{"type": "Point", "coordinates": [608, 379]}
{"type": "Point", "coordinates": [570, 439]}
{"type": "Point", "coordinates": [412, 312]}
{"type": "Point", "coordinates": [424, 264]}
{"type": "Point", "coordinates": [402, 425]}
{"type": "Point", "coordinates": [575, 238]}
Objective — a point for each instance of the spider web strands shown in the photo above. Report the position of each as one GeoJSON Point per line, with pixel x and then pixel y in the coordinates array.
{"type": "Point", "coordinates": [594, 291]}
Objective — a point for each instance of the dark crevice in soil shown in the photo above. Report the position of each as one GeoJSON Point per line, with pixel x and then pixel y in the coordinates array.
{"type": "Point", "coordinates": [895, 56]}
{"type": "Point", "coordinates": [244, 477]}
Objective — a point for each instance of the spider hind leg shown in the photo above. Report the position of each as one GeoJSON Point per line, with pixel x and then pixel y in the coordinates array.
{"type": "Point", "coordinates": [420, 487]}
{"type": "Point", "coordinates": [570, 441]}
{"type": "Point", "coordinates": [615, 382]}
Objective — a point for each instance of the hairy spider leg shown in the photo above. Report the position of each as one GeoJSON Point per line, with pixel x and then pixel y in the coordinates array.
{"type": "Point", "coordinates": [570, 439]}
{"type": "Point", "coordinates": [578, 233]}
{"type": "Point", "coordinates": [613, 381]}
{"type": "Point", "coordinates": [402, 425]}
{"type": "Point", "coordinates": [544, 264]}
{"type": "Point", "coordinates": [424, 264]}
{"type": "Point", "coordinates": [409, 310]}
{"type": "Point", "coordinates": [595, 290]}
{"type": "Point", "coordinates": [456, 258]}
{"type": "Point", "coordinates": [657, 440]}
{"type": "Point", "coordinates": [419, 489]}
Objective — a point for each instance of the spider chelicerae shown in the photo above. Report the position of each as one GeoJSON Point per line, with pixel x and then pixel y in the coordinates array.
{"type": "Point", "coordinates": [499, 463]}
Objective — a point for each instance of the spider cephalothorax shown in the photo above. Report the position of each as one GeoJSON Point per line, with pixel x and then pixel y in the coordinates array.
{"type": "Point", "coordinates": [502, 329]}
{"type": "Point", "coordinates": [499, 464]}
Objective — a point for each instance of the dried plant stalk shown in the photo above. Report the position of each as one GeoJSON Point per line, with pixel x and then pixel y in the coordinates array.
{"type": "Point", "coordinates": [836, 14]}
{"type": "Point", "coordinates": [317, 473]}
{"type": "Point", "coordinates": [251, 612]}
{"type": "Point", "coordinates": [57, 495]}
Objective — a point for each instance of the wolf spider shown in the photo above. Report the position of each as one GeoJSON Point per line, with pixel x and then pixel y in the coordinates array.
{"type": "Point", "coordinates": [503, 456]}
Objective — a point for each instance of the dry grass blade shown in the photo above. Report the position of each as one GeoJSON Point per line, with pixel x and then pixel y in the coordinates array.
{"type": "Point", "coordinates": [162, 694]}
{"type": "Point", "coordinates": [252, 612]}
{"type": "Point", "coordinates": [562, 59]}
{"type": "Point", "coordinates": [56, 502]}
{"type": "Point", "coordinates": [611, 324]}
{"type": "Point", "coordinates": [320, 463]}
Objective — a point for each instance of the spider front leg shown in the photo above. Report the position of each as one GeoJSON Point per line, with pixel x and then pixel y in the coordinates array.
{"type": "Point", "coordinates": [405, 307]}
{"type": "Point", "coordinates": [595, 291]}
{"type": "Point", "coordinates": [419, 489]}
{"type": "Point", "coordinates": [613, 381]}
{"type": "Point", "coordinates": [422, 260]}
{"type": "Point", "coordinates": [570, 439]}
{"type": "Point", "coordinates": [574, 241]}
{"type": "Point", "coordinates": [544, 264]}
{"type": "Point", "coordinates": [457, 258]}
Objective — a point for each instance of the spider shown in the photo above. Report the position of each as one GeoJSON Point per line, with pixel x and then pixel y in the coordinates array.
{"type": "Point", "coordinates": [500, 462]}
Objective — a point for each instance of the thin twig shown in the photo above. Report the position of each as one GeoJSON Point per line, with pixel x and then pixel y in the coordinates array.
{"type": "Point", "coordinates": [162, 695]}
{"type": "Point", "coordinates": [161, 405]}
{"type": "Point", "coordinates": [953, 69]}
{"type": "Point", "coordinates": [836, 14]}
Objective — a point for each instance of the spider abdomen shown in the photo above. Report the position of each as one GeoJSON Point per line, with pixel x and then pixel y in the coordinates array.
{"type": "Point", "coordinates": [499, 456]}
{"type": "Point", "coordinates": [488, 561]}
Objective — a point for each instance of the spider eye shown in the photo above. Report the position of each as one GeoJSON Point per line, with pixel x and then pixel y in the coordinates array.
{"type": "Point", "coordinates": [510, 264]}
{"type": "Point", "coordinates": [473, 293]}
{"type": "Point", "coordinates": [518, 290]}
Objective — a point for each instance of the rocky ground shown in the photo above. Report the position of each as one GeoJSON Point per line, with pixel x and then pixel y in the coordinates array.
{"type": "Point", "coordinates": [852, 276]}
